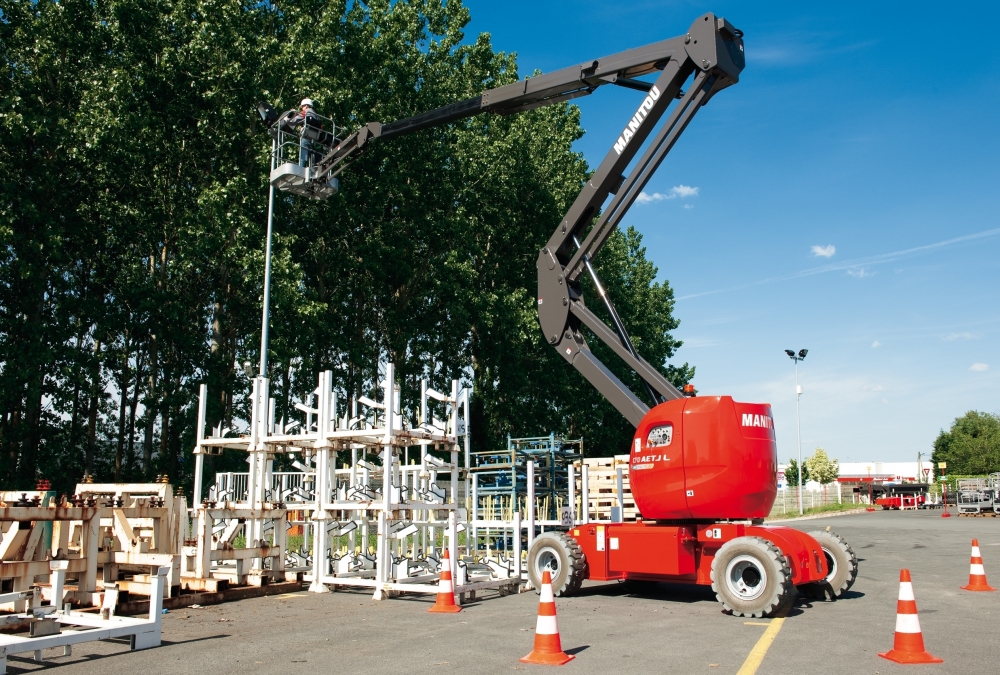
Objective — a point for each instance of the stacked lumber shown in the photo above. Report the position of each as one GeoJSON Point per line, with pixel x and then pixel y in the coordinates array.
{"type": "Point", "coordinates": [602, 483]}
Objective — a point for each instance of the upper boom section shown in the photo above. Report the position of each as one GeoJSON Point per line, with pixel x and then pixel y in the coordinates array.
{"type": "Point", "coordinates": [711, 43]}
{"type": "Point", "coordinates": [707, 59]}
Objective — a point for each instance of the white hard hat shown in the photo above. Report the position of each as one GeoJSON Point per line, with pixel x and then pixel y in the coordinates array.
{"type": "Point", "coordinates": [306, 102]}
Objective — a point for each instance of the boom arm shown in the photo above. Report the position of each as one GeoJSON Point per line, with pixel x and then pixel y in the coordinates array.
{"type": "Point", "coordinates": [711, 56]}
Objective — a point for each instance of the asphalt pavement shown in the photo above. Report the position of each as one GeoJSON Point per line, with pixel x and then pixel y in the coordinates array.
{"type": "Point", "coordinates": [609, 627]}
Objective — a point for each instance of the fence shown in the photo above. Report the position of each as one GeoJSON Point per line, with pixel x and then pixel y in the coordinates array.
{"type": "Point", "coordinates": [787, 500]}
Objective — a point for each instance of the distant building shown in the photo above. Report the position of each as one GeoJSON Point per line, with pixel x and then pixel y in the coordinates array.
{"type": "Point", "coordinates": [883, 472]}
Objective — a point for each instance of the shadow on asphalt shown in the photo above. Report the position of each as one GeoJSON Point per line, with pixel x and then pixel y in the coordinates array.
{"type": "Point", "coordinates": [52, 661]}
{"type": "Point", "coordinates": [576, 650]}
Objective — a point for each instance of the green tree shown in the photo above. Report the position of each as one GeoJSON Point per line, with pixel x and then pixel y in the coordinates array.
{"type": "Point", "coordinates": [821, 468]}
{"type": "Point", "coordinates": [971, 446]}
{"type": "Point", "coordinates": [133, 209]}
{"type": "Point", "coordinates": [792, 473]}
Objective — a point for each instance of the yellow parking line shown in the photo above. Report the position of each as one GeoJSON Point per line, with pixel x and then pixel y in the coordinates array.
{"type": "Point", "coordinates": [756, 656]}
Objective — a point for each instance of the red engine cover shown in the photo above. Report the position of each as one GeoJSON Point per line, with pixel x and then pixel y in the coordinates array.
{"type": "Point", "coordinates": [706, 457]}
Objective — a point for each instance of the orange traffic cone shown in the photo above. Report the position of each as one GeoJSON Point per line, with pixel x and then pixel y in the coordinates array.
{"type": "Point", "coordinates": [548, 648]}
{"type": "Point", "coordinates": [445, 603]}
{"type": "Point", "coordinates": [977, 574]}
{"type": "Point", "coordinates": [908, 646]}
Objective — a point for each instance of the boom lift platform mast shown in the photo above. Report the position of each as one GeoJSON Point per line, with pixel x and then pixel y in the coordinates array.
{"type": "Point", "coordinates": [703, 468]}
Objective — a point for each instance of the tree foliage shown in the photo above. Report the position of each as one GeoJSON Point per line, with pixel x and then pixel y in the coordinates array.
{"type": "Point", "coordinates": [133, 212]}
{"type": "Point", "coordinates": [970, 447]}
{"type": "Point", "coordinates": [792, 473]}
{"type": "Point", "coordinates": [821, 468]}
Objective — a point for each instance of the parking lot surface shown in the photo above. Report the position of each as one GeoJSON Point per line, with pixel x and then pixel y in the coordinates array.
{"type": "Point", "coordinates": [611, 628]}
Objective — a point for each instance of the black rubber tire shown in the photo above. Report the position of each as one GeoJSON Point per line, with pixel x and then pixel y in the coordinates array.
{"type": "Point", "coordinates": [843, 564]}
{"type": "Point", "coordinates": [763, 586]}
{"type": "Point", "coordinates": [563, 557]}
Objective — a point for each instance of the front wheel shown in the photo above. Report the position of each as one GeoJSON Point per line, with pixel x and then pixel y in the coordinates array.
{"type": "Point", "coordinates": [562, 556]}
{"type": "Point", "coordinates": [751, 577]}
{"type": "Point", "coordinates": [842, 563]}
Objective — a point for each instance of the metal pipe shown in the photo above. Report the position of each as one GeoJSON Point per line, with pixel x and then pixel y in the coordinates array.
{"type": "Point", "coordinates": [266, 311]}
{"type": "Point", "coordinates": [619, 326]}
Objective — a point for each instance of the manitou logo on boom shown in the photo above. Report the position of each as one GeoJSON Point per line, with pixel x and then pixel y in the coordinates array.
{"type": "Point", "coordinates": [751, 420]}
{"type": "Point", "coordinates": [637, 119]}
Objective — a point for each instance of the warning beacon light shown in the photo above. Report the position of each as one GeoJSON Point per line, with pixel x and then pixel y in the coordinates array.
{"type": "Point", "coordinates": [688, 389]}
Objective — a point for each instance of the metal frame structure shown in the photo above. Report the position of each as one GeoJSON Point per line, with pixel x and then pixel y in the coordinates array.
{"type": "Point", "coordinates": [707, 59]}
{"type": "Point", "coordinates": [405, 503]}
{"type": "Point", "coordinates": [46, 621]}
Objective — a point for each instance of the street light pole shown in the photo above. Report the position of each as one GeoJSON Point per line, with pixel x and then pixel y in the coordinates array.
{"type": "Point", "coordinates": [266, 312]}
{"type": "Point", "coordinates": [798, 420]}
{"type": "Point", "coordinates": [798, 426]}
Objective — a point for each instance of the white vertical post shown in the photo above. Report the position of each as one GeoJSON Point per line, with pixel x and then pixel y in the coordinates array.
{"type": "Point", "coordinates": [454, 446]}
{"type": "Point", "coordinates": [453, 542]}
{"type": "Point", "coordinates": [58, 568]}
{"type": "Point", "coordinates": [621, 495]}
{"type": "Point", "coordinates": [467, 430]}
{"type": "Point", "coordinates": [531, 502]}
{"type": "Point", "coordinates": [383, 556]}
{"type": "Point", "coordinates": [517, 544]}
{"type": "Point", "coordinates": [199, 458]}
{"type": "Point", "coordinates": [321, 483]}
{"type": "Point", "coordinates": [472, 532]}
{"type": "Point", "coordinates": [585, 489]}
{"type": "Point", "coordinates": [571, 480]}
{"type": "Point", "coordinates": [252, 446]}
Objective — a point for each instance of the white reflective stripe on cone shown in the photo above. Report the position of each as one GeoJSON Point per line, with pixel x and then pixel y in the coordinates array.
{"type": "Point", "coordinates": [546, 595]}
{"type": "Point", "coordinates": [547, 625]}
{"type": "Point", "coordinates": [907, 623]}
{"type": "Point", "coordinates": [977, 570]}
{"type": "Point", "coordinates": [906, 591]}
{"type": "Point", "coordinates": [444, 586]}
{"type": "Point", "coordinates": [976, 553]}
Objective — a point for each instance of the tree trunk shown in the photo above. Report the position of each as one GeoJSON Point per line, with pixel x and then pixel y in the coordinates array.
{"type": "Point", "coordinates": [165, 424]}
{"type": "Point", "coordinates": [151, 406]}
{"type": "Point", "coordinates": [123, 382]}
{"type": "Point", "coordinates": [28, 461]}
{"type": "Point", "coordinates": [131, 416]}
{"type": "Point", "coordinates": [95, 389]}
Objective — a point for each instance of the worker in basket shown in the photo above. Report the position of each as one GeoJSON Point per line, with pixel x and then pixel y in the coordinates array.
{"type": "Point", "coordinates": [310, 124]}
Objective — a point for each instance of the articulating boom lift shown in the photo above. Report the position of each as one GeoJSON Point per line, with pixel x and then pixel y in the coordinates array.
{"type": "Point", "coordinates": [702, 468]}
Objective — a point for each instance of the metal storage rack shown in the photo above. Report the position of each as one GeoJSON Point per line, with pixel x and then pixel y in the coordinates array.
{"type": "Point", "coordinates": [502, 476]}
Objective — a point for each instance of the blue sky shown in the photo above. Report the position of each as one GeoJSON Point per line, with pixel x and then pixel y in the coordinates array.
{"type": "Point", "coordinates": [842, 198]}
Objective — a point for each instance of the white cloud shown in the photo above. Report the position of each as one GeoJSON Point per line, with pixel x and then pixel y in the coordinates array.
{"type": "Point", "coordinates": [689, 206]}
{"type": "Point", "coordinates": [682, 191]}
{"type": "Point", "coordinates": [962, 336]}
{"type": "Point", "coordinates": [979, 367]}
{"type": "Point", "coordinates": [860, 272]}
{"type": "Point", "coordinates": [824, 251]}
{"type": "Point", "coordinates": [876, 344]}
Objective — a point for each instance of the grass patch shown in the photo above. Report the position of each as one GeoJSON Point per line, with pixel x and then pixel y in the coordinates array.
{"type": "Point", "coordinates": [826, 508]}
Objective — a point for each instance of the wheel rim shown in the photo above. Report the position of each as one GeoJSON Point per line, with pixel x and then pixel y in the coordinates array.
{"type": "Point", "coordinates": [547, 559]}
{"type": "Point", "coordinates": [831, 564]}
{"type": "Point", "coordinates": [746, 577]}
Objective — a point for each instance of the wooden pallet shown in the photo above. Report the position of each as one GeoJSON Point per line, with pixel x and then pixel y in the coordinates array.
{"type": "Point", "coordinates": [602, 483]}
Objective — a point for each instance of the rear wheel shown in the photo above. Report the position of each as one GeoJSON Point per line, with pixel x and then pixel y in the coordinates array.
{"type": "Point", "coordinates": [562, 556]}
{"type": "Point", "coordinates": [751, 577]}
{"type": "Point", "coordinates": [842, 563]}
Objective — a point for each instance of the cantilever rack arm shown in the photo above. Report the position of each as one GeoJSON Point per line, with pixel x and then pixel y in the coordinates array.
{"type": "Point", "coordinates": [710, 55]}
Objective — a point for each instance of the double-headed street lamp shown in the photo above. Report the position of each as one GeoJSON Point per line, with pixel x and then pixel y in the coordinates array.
{"type": "Point", "coordinates": [798, 422]}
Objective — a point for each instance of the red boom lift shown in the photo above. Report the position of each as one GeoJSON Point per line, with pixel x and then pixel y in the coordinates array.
{"type": "Point", "coordinates": [703, 469]}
